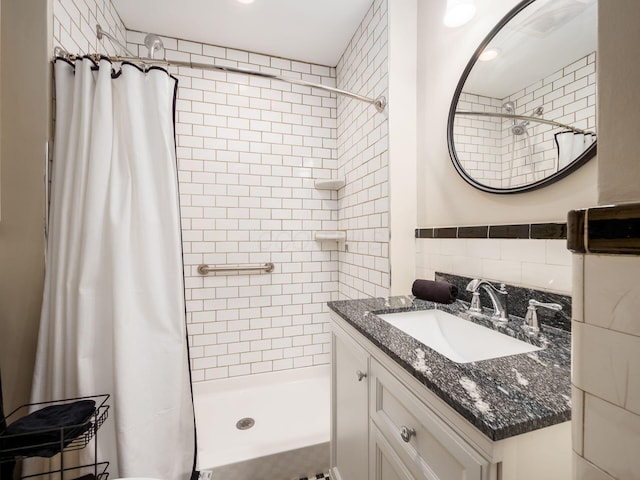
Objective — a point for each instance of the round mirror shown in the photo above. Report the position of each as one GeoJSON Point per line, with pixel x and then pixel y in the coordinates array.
{"type": "Point", "coordinates": [524, 112]}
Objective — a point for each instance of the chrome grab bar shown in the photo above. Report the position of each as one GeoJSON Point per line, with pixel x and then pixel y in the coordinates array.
{"type": "Point", "coordinates": [205, 269]}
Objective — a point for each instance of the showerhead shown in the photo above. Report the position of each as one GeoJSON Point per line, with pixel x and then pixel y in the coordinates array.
{"type": "Point", "coordinates": [154, 44]}
{"type": "Point", "coordinates": [519, 128]}
{"type": "Point", "coordinates": [510, 107]}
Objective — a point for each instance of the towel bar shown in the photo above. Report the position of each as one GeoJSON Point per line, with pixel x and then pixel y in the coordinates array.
{"type": "Point", "coordinates": [204, 269]}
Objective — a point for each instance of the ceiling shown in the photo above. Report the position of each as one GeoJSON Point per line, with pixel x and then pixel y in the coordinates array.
{"type": "Point", "coordinates": [543, 38]}
{"type": "Point", "coordinates": [310, 31]}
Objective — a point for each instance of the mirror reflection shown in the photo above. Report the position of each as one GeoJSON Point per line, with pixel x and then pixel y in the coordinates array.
{"type": "Point", "coordinates": [525, 110]}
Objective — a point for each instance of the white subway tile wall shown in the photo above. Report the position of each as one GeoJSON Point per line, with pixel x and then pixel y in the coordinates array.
{"type": "Point", "coordinates": [249, 150]}
{"type": "Point", "coordinates": [492, 154]}
{"type": "Point", "coordinates": [363, 206]}
{"type": "Point", "coordinates": [74, 26]}
{"type": "Point", "coordinates": [479, 139]}
{"type": "Point", "coordinates": [541, 264]}
{"type": "Point", "coordinates": [606, 365]}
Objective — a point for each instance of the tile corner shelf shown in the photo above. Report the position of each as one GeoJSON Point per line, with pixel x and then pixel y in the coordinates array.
{"type": "Point", "coordinates": [336, 236]}
{"type": "Point", "coordinates": [330, 184]}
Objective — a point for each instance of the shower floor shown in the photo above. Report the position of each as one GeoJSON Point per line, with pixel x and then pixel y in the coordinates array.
{"type": "Point", "coordinates": [290, 409]}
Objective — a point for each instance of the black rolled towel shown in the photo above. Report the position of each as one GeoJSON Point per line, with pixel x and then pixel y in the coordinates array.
{"type": "Point", "coordinates": [439, 292]}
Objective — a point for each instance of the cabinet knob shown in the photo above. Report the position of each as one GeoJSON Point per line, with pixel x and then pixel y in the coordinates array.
{"type": "Point", "coordinates": [406, 433]}
{"type": "Point", "coordinates": [360, 375]}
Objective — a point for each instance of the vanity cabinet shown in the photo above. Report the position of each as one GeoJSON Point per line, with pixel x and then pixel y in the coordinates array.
{"type": "Point", "coordinates": [387, 426]}
{"type": "Point", "coordinates": [349, 423]}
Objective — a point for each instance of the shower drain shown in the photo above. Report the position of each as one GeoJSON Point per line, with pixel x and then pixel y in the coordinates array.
{"type": "Point", "coordinates": [245, 423]}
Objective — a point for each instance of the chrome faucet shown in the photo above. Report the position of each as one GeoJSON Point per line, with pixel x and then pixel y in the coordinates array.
{"type": "Point", "coordinates": [498, 298]}
{"type": "Point", "coordinates": [531, 318]}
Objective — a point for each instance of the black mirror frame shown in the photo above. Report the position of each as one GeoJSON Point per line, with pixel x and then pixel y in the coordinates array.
{"type": "Point", "coordinates": [587, 155]}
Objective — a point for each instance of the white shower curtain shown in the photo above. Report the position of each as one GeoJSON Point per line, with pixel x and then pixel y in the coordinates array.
{"type": "Point", "coordinates": [113, 315]}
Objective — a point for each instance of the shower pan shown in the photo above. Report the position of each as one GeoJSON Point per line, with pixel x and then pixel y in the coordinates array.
{"type": "Point", "coordinates": [267, 425]}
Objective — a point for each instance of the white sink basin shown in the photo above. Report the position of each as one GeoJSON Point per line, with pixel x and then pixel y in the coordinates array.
{"type": "Point", "coordinates": [457, 339]}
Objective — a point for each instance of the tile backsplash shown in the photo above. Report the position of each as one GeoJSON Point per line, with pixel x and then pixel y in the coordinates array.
{"type": "Point", "coordinates": [541, 264]}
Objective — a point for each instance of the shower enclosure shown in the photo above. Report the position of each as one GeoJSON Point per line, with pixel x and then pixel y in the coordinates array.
{"type": "Point", "coordinates": [250, 148]}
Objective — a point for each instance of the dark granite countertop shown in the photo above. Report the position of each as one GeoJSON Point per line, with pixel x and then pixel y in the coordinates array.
{"type": "Point", "coordinates": [501, 397]}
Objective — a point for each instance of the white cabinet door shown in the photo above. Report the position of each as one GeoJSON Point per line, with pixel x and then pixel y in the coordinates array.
{"type": "Point", "coordinates": [427, 446]}
{"type": "Point", "coordinates": [350, 414]}
{"type": "Point", "coordinates": [384, 463]}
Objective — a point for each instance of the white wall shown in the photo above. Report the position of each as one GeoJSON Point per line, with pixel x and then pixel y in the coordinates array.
{"type": "Point", "coordinates": [403, 32]}
{"type": "Point", "coordinates": [25, 110]}
{"type": "Point", "coordinates": [618, 101]}
{"type": "Point", "coordinates": [444, 198]}
{"type": "Point", "coordinates": [27, 30]}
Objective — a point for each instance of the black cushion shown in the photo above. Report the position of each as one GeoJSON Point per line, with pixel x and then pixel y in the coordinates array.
{"type": "Point", "coordinates": [45, 432]}
{"type": "Point", "coordinates": [440, 292]}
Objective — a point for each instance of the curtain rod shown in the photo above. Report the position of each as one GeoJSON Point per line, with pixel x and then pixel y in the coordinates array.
{"type": "Point", "coordinates": [522, 117]}
{"type": "Point", "coordinates": [380, 103]}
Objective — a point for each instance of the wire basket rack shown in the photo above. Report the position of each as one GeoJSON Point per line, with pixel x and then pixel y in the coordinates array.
{"type": "Point", "coordinates": [51, 441]}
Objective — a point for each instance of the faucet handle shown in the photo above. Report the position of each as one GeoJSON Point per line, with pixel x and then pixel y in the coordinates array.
{"type": "Point", "coordinates": [531, 318]}
{"type": "Point", "coordinates": [556, 307]}
{"type": "Point", "coordinates": [473, 285]}
{"type": "Point", "coordinates": [475, 305]}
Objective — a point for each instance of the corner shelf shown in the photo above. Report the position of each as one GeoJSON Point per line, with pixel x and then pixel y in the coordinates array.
{"type": "Point", "coordinates": [330, 235]}
{"type": "Point", "coordinates": [330, 184]}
